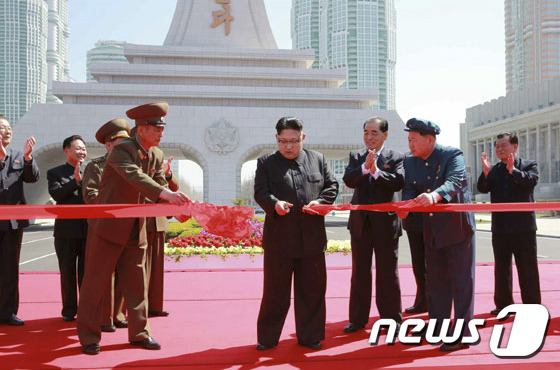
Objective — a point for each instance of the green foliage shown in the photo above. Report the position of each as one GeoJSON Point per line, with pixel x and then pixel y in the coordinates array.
{"type": "Point", "coordinates": [240, 202]}
{"type": "Point", "coordinates": [189, 227]}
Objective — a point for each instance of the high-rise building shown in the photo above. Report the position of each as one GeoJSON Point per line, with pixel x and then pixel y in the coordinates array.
{"type": "Point", "coordinates": [532, 30]}
{"type": "Point", "coordinates": [23, 55]}
{"type": "Point", "coordinates": [57, 50]}
{"type": "Point", "coordinates": [356, 35]}
{"type": "Point", "coordinates": [105, 51]}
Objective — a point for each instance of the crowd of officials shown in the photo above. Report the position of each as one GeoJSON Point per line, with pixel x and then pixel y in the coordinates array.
{"type": "Point", "coordinates": [111, 270]}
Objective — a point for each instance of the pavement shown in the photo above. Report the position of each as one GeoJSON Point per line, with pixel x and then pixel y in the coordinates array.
{"type": "Point", "coordinates": [546, 226]}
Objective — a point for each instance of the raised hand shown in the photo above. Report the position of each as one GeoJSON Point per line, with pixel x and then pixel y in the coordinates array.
{"type": "Point", "coordinates": [3, 152]}
{"type": "Point", "coordinates": [370, 161]}
{"type": "Point", "coordinates": [28, 148]}
{"type": "Point", "coordinates": [510, 162]}
{"type": "Point", "coordinates": [77, 174]}
{"type": "Point", "coordinates": [167, 166]}
{"type": "Point", "coordinates": [282, 207]}
{"type": "Point", "coordinates": [485, 163]}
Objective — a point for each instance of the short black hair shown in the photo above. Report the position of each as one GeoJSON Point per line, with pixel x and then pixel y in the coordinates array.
{"type": "Point", "coordinates": [67, 143]}
{"type": "Point", "coordinates": [513, 139]}
{"type": "Point", "coordinates": [383, 124]}
{"type": "Point", "coordinates": [289, 123]}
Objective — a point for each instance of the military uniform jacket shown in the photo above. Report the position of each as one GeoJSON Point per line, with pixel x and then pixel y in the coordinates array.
{"type": "Point", "coordinates": [13, 173]}
{"type": "Point", "coordinates": [130, 175]}
{"type": "Point", "coordinates": [516, 187]}
{"type": "Point", "coordinates": [64, 189]}
{"type": "Point", "coordinates": [91, 179]}
{"type": "Point", "coordinates": [443, 172]}
{"type": "Point", "coordinates": [298, 181]}
{"type": "Point", "coordinates": [368, 190]}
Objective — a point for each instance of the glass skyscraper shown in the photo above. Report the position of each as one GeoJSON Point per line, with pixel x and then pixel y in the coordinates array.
{"type": "Point", "coordinates": [358, 35]}
{"type": "Point", "coordinates": [532, 30]}
{"type": "Point", "coordinates": [33, 50]}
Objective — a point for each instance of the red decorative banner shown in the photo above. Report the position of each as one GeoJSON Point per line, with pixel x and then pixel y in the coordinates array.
{"type": "Point", "coordinates": [412, 206]}
{"type": "Point", "coordinates": [228, 221]}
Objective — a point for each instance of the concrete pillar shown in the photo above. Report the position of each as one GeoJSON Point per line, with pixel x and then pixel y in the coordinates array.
{"type": "Point", "coordinates": [223, 179]}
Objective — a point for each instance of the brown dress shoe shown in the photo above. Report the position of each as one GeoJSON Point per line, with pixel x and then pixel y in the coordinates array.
{"type": "Point", "coordinates": [314, 346]}
{"type": "Point", "coordinates": [157, 313]}
{"type": "Point", "coordinates": [108, 328]}
{"type": "Point", "coordinates": [351, 328]}
{"type": "Point", "coordinates": [91, 349]}
{"type": "Point", "coordinates": [121, 324]}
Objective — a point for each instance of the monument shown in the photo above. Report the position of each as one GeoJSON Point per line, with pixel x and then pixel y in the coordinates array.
{"type": "Point", "coordinates": [227, 85]}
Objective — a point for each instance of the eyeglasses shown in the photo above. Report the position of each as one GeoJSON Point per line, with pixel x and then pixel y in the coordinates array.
{"type": "Point", "coordinates": [288, 142]}
{"type": "Point", "coordinates": [5, 129]}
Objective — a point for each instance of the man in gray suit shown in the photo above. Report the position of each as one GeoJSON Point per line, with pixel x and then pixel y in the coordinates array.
{"type": "Point", "coordinates": [15, 169]}
{"type": "Point", "coordinates": [434, 174]}
{"type": "Point", "coordinates": [294, 242]}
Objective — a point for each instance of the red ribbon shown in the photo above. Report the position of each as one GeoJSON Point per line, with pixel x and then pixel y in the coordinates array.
{"type": "Point", "coordinates": [412, 206]}
{"type": "Point", "coordinates": [228, 221]}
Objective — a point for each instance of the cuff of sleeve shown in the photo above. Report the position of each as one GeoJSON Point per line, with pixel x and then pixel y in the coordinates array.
{"type": "Point", "coordinates": [375, 175]}
{"type": "Point", "coordinates": [364, 171]}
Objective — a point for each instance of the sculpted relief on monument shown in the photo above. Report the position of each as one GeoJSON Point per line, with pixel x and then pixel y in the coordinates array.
{"type": "Point", "coordinates": [222, 137]}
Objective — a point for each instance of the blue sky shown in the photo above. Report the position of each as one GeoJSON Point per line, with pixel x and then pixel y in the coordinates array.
{"type": "Point", "coordinates": [450, 53]}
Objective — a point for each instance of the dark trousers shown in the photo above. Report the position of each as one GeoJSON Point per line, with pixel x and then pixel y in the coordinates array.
{"type": "Point", "coordinates": [416, 242]}
{"type": "Point", "coordinates": [524, 247]}
{"type": "Point", "coordinates": [10, 248]}
{"type": "Point", "coordinates": [71, 262]}
{"type": "Point", "coordinates": [450, 278]}
{"type": "Point", "coordinates": [310, 281]}
{"type": "Point", "coordinates": [387, 285]}
{"type": "Point", "coordinates": [154, 269]}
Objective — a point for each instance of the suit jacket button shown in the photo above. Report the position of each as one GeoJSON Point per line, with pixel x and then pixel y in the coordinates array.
{"type": "Point", "coordinates": [431, 214]}
{"type": "Point", "coordinates": [428, 190]}
{"type": "Point", "coordinates": [427, 164]}
{"type": "Point", "coordinates": [429, 178]}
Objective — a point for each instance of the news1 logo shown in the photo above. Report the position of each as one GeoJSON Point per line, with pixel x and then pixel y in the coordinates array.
{"type": "Point", "coordinates": [526, 338]}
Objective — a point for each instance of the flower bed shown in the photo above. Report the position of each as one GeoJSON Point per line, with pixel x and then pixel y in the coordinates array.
{"type": "Point", "coordinates": [205, 244]}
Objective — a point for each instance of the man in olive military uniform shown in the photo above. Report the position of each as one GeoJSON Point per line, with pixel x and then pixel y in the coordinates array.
{"type": "Point", "coordinates": [133, 172]}
{"type": "Point", "coordinates": [110, 134]}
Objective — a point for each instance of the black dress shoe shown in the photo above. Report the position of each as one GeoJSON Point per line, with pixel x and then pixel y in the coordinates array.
{"type": "Point", "coordinates": [314, 346]}
{"type": "Point", "coordinates": [416, 309]}
{"type": "Point", "coordinates": [351, 328]}
{"type": "Point", "coordinates": [12, 320]}
{"type": "Point", "coordinates": [108, 328]}
{"type": "Point", "coordinates": [453, 347]}
{"type": "Point", "coordinates": [67, 318]}
{"type": "Point", "coordinates": [495, 311]}
{"type": "Point", "coordinates": [157, 313]}
{"type": "Point", "coordinates": [121, 324]}
{"type": "Point", "coordinates": [147, 343]}
{"type": "Point", "coordinates": [263, 347]}
{"type": "Point", "coordinates": [91, 349]}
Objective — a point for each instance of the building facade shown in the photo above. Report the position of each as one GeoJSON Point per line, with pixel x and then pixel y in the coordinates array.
{"type": "Point", "coordinates": [33, 53]}
{"type": "Point", "coordinates": [226, 91]}
{"type": "Point", "coordinates": [105, 51]}
{"type": "Point", "coordinates": [23, 54]}
{"type": "Point", "coordinates": [534, 115]}
{"type": "Point", "coordinates": [358, 36]}
{"type": "Point", "coordinates": [532, 30]}
{"type": "Point", "coordinates": [57, 50]}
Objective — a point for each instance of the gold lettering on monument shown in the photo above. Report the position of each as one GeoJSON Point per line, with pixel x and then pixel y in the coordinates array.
{"type": "Point", "coordinates": [223, 16]}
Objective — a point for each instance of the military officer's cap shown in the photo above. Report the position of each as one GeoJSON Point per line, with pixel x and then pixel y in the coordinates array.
{"type": "Point", "coordinates": [149, 114]}
{"type": "Point", "coordinates": [422, 126]}
{"type": "Point", "coordinates": [115, 128]}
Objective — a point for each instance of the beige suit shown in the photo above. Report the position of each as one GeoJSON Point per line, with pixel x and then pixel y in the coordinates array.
{"type": "Point", "coordinates": [130, 176]}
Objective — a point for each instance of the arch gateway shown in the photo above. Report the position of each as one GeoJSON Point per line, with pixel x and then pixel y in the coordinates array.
{"type": "Point", "coordinates": [227, 84]}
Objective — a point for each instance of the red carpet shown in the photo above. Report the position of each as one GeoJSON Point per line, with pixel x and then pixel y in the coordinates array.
{"type": "Point", "coordinates": [214, 307]}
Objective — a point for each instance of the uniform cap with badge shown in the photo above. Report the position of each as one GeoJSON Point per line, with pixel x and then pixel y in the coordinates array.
{"type": "Point", "coordinates": [152, 114]}
{"type": "Point", "coordinates": [422, 126]}
{"type": "Point", "coordinates": [115, 128]}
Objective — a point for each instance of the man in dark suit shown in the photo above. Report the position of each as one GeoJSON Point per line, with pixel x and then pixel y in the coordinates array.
{"type": "Point", "coordinates": [433, 174]}
{"type": "Point", "coordinates": [376, 174]}
{"type": "Point", "coordinates": [294, 242]}
{"type": "Point", "coordinates": [15, 169]}
{"type": "Point", "coordinates": [110, 134]}
{"type": "Point", "coordinates": [512, 180]}
{"type": "Point", "coordinates": [65, 187]}
{"type": "Point", "coordinates": [133, 171]}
